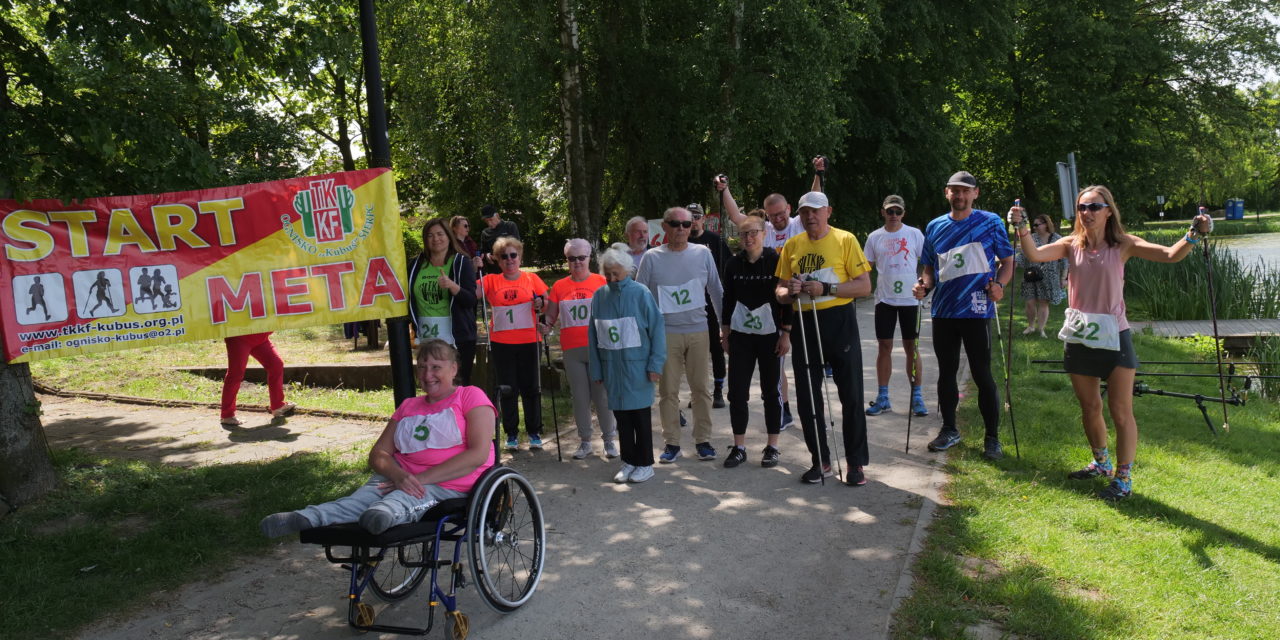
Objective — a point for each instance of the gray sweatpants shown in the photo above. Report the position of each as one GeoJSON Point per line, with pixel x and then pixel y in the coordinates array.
{"type": "Point", "coordinates": [586, 393]}
{"type": "Point", "coordinates": [403, 506]}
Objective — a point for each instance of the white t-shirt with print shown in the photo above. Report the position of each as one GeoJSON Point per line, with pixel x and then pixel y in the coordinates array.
{"type": "Point", "coordinates": [896, 256]}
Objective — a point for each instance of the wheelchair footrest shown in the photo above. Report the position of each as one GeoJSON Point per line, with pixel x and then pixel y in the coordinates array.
{"type": "Point", "coordinates": [351, 534]}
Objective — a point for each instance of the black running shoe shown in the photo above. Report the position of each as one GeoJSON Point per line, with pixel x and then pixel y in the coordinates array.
{"type": "Point", "coordinates": [815, 474]}
{"type": "Point", "coordinates": [854, 477]}
{"type": "Point", "coordinates": [991, 448]}
{"type": "Point", "coordinates": [737, 456]}
{"type": "Point", "coordinates": [770, 457]}
{"type": "Point", "coordinates": [1091, 471]}
{"type": "Point", "coordinates": [1114, 492]}
{"type": "Point", "coordinates": [948, 437]}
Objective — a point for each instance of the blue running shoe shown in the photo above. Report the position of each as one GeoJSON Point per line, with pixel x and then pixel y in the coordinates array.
{"type": "Point", "coordinates": [706, 451]}
{"type": "Point", "coordinates": [918, 407]}
{"type": "Point", "coordinates": [948, 437]}
{"type": "Point", "coordinates": [669, 454]}
{"type": "Point", "coordinates": [879, 406]}
{"type": "Point", "coordinates": [535, 442]}
{"type": "Point", "coordinates": [512, 444]}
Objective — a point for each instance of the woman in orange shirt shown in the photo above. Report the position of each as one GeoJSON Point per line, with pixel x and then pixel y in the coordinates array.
{"type": "Point", "coordinates": [571, 307]}
{"type": "Point", "coordinates": [516, 298]}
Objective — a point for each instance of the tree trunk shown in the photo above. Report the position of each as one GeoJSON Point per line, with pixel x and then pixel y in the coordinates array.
{"type": "Point", "coordinates": [344, 137]}
{"type": "Point", "coordinates": [583, 156]}
{"type": "Point", "coordinates": [26, 472]}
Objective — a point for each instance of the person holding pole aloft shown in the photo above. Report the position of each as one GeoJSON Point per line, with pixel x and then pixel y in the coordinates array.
{"type": "Point", "coordinates": [1099, 342]}
{"type": "Point", "coordinates": [820, 272]}
{"type": "Point", "coordinates": [967, 255]}
{"type": "Point", "coordinates": [755, 328]}
{"type": "Point", "coordinates": [894, 251]}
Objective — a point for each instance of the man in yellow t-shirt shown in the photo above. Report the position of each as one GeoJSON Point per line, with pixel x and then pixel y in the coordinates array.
{"type": "Point", "coordinates": [826, 266]}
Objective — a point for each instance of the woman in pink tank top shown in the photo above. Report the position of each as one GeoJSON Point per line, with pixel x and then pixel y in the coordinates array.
{"type": "Point", "coordinates": [1099, 344]}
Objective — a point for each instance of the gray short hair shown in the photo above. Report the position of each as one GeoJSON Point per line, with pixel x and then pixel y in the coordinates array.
{"type": "Point", "coordinates": [620, 255]}
{"type": "Point", "coordinates": [635, 220]}
{"type": "Point", "coordinates": [577, 243]}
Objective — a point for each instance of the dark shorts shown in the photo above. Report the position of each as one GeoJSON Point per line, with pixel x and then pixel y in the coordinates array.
{"type": "Point", "coordinates": [887, 315]}
{"type": "Point", "coordinates": [1082, 360]}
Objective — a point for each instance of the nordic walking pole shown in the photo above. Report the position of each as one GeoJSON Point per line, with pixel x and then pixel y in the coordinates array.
{"type": "Point", "coordinates": [808, 379]}
{"type": "Point", "coordinates": [914, 357]}
{"type": "Point", "coordinates": [1213, 314]}
{"type": "Point", "coordinates": [826, 395]}
{"type": "Point", "coordinates": [555, 415]}
{"type": "Point", "coordinates": [538, 379]}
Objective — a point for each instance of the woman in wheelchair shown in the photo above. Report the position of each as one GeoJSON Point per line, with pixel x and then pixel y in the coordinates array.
{"type": "Point", "coordinates": [434, 447]}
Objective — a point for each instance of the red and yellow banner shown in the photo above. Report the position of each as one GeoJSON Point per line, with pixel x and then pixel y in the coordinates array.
{"type": "Point", "coordinates": [115, 273]}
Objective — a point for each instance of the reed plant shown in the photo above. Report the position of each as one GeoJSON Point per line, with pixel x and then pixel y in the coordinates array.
{"type": "Point", "coordinates": [1159, 291]}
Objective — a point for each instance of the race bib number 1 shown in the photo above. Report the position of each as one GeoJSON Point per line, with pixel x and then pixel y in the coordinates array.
{"type": "Point", "coordinates": [516, 316]}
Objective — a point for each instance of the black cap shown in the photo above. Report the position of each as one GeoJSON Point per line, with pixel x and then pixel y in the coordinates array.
{"type": "Point", "coordinates": [962, 179]}
{"type": "Point", "coordinates": [488, 211]}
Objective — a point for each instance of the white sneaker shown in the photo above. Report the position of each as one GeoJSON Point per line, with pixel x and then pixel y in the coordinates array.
{"type": "Point", "coordinates": [625, 473]}
{"type": "Point", "coordinates": [641, 474]}
{"type": "Point", "coordinates": [584, 450]}
{"type": "Point", "coordinates": [610, 449]}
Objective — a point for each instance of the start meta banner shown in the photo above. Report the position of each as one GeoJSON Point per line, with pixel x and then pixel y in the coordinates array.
{"type": "Point", "coordinates": [115, 273]}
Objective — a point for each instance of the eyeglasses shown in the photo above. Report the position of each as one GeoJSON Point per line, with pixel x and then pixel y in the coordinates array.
{"type": "Point", "coordinates": [893, 211]}
{"type": "Point", "coordinates": [577, 258]}
{"type": "Point", "coordinates": [751, 232]}
{"type": "Point", "coordinates": [697, 216]}
{"type": "Point", "coordinates": [675, 224]}
{"type": "Point", "coordinates": [1091, 206]}
{"type": "Point", "coordinates": [509, 256]}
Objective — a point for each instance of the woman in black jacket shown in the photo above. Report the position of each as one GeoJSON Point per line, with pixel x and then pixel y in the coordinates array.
{"type": "Point", "coordinates": [754, 329]}
{"type": "Point", "coordinates": [442, 304]}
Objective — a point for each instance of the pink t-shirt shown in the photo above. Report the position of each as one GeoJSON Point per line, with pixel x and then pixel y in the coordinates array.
{"type": "Point", "coordinates": [1097, 282]}
{"type": "Point", "coordinates": [428, 433]}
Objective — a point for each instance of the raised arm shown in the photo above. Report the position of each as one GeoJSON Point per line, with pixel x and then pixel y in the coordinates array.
{"type": "Point", "coordinates": [721, 183]}
{"type": "Point", "coordinates": [1056, 250]}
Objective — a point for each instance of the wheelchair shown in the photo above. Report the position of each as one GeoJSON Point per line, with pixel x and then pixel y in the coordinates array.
{"type": "Point", "coordinates": [500, 525]}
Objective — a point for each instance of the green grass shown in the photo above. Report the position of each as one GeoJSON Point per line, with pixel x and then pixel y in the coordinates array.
{"type": "Point", "coordinates": [1195, 553]}
{"type": "Point", "coordinates": [1179, 291]}
{"type": "Point", "coordinates": [148, 372]}
{"type": "Point", "coordinates": [117, 531]}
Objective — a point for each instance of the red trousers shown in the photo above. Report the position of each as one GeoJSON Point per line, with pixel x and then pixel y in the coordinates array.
{"type": "Point", "coordinates": [239, 349]}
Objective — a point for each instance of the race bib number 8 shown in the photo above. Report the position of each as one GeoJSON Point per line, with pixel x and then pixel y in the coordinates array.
{"type": "Point", "coordinates": [681, 297]}
{"type": "Point", "coordinates": [616, 334]}
{"type": "Point", "coordinates": [964, 260]}
{"type": "Point", "coordinates": [1093, 330]}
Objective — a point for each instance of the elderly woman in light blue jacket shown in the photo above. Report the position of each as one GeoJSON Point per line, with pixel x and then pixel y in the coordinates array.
{"type": "Point", "coordinates": [627, 347]}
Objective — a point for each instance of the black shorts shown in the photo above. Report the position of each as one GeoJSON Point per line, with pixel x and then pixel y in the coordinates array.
{"type": "Point", "coordinates": [887, 314]}
{"type": "Point", "coordinates": [1082, 360]}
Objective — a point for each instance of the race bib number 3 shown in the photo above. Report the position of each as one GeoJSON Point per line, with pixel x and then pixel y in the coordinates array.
{"type": "Point", "coordinates": [964, 260]}
{"type": "Point", "coordinates": [681, 297]}
{"type": "Point", "coordinates": [619, 333]}
{"type": "Point", "coordinates": [1093, 330]}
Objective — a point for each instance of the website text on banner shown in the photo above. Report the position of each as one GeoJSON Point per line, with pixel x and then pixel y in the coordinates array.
{"type": "Point", "coordinates": [115, 273]}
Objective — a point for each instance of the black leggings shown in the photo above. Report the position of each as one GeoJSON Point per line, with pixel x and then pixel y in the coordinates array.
{"type": "Point", "coordinates": [516, 365]}
{"type": "Point", "coordinates": [717, 351]}
{"type": "Point", "coordinates": [635, 436]}
{"type": "Point", "coordinates": [975, 335]}
{"type": "Point", "coordinates": [745, 350]}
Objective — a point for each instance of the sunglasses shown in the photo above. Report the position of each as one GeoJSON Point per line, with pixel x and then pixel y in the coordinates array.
{"type": "Point", "coordinates": [1091, 206]}
{"type": "Point", "coordinates": [893, 212]}
{"type": "Point", "coordinates": [509, 256]}
{"type": "Point", "coordinates": [577, 258]}
{"type": "Point", "coordinates": [676, 224]}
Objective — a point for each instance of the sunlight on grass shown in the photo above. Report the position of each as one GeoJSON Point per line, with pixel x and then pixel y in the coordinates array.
{"type": "Point", "coordinates": [1194, 553]}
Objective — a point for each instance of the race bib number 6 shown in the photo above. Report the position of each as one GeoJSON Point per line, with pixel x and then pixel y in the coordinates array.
{"type": "Point", "coordinates": [617, 334]}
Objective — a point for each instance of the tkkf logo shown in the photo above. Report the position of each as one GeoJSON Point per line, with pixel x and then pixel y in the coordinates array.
{"type": "Point", "coordinates": [325, 210]}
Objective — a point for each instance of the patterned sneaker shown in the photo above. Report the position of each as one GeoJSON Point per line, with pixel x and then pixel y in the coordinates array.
{"type": "Point", "coordinates": [535, 442]}
{"type": "Point", "coordinates": [669, 454]}
{"type": "Point", "coordinates": [1116, 491]}
{"type": "Point", "coordinates": [770, 457]}
{"type": "Point", "coordinates": [513, 444]}
{"type": "Point", "coordinates": [706, 451]}
{"type": "Point", "coordinates": [584, 451]}
{"type": "Point", "coordinates": [879, 406]}
{"type": "Point", "coordinates": [1092, 471]}
{"type": "Point", "coordinates": [737, 455]}
{"type": "Point", "coordinates": [815, 475]}
{"type": "Point", "coordinates": [918, 407]}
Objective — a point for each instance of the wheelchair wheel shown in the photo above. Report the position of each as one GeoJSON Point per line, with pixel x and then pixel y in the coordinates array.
{"type": "Point", "coordinates": [392, 580]}
{"type": "Point", "coordinates": [507, 540]}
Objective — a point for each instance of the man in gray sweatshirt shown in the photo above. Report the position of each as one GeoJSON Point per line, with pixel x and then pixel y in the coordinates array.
{"type": "Point", "coordinates": [681, 276]}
